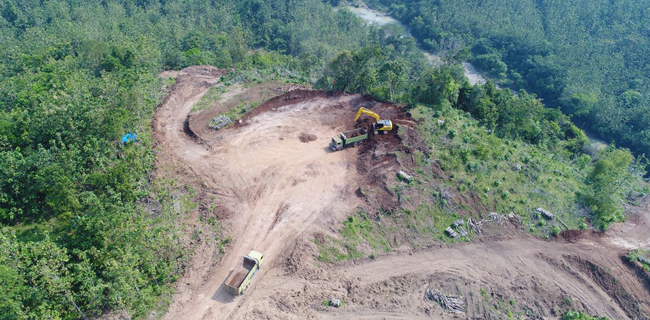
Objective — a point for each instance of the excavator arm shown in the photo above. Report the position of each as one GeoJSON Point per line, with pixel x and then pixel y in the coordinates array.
{"type": "Point", "coordinates": [368, 112]}
{"type": "Point", "coordinates": [382, 125]}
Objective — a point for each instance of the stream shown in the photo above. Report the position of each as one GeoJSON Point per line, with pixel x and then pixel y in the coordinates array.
{"type": "Point", "coordinates": [379, 18]}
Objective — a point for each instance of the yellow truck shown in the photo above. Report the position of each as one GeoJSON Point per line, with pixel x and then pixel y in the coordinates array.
{"type": "Point", "coordinates": [241, 277]}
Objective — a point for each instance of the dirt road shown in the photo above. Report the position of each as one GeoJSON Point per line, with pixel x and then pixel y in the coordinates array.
{"type": "Point", "coordinates": [280, 188]}
{"type": "Point", "coordinates": [511, 274]}
{"type": "Point", "coordinates": [275, 184]}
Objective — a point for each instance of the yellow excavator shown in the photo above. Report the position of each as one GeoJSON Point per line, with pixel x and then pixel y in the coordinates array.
{"type": "Point", "coordinates": [380, 125]}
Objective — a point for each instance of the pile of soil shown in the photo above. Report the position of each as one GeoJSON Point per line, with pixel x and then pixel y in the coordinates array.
{"type": "Point", "coordinates": [377, 160]}
{"type": "Point", "coordinates": [614, 288]}
{"type": "Point", "coordinates": [292, 97]}
{"type": "Point", "coordinates": [307, 137]}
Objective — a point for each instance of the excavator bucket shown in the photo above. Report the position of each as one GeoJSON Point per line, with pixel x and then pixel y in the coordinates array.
{"type": "Point", "coordinates": [382, 125]}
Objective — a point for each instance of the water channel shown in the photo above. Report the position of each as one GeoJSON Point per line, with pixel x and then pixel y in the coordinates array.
{"type": "Point", "coordinates": [380, 18]}
{"type": "Point", "coordinates": [376, 17]}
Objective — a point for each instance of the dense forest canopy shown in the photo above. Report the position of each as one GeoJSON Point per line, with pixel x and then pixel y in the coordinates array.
{"type": "Point", "coordinates": [76, 75]}
{"type": "Point", "coordinates": [589, 58]}
{"type": "Point", "coordinates": [77, 238]}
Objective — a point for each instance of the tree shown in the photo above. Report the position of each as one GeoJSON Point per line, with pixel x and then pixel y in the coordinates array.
{"type": "Point", "coordinates": [394, 74]}
{"type": "Point", "coordinates": [437, 85]}
{"type": "Point", "coordinates": [11, 286]}
{"type": "Point", "coordinates": [349, 69]}
{"type": "Point", "coordinates": [608, 182]}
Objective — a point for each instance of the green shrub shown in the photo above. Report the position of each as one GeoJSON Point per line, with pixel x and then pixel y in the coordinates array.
{"type": "Point", "coordinates": [555, 231]}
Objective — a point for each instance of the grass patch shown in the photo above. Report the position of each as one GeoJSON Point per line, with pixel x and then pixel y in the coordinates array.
{"type": "Point", "coordinates": [642, 256]}
{"type": "Point", "coordinates": [468, 173]}
{"type": "Point", "coordinates": [358, 229]}
{"type": "Point", "coordinates": [240, 110]}
{"type": "Point", "coordinates": [209, 98]}
{"type": "Point", "coordinates": [170, 81]}
{"type": "Point", "coordinates": [507, 176]}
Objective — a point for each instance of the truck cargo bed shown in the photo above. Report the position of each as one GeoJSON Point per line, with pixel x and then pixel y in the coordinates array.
{"type": "Point", "coordinates": [240, 274]}
{"type": "Point", "coordinates": [354, 133]}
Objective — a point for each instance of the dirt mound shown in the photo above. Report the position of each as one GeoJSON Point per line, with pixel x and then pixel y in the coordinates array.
{"type": "Point", "coordinates": [608, 282]}
{"type": "Point", "coordinates": [377, 158]}
{"type": "Point", "coordinates": [289, 98]}
{"type": "Point", "coordinates": [571, 235]}
{"type": "Point", "coordinates": [307, 137]}
{"type": "Point", "coordinates": [223, 212]}
{"type": "Point", "coordinates": [575, 235]}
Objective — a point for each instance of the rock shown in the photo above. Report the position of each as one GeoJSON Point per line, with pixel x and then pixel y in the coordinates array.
{"type": "Point", "coordinates": [219, 122]}
{"type": "Point", "coordinates": [404, 176]}
{"type": "Point", "coordinates": [335, 303]}
{"type": "Point", "coordinates": [451, 233]}
{"type": "Point", "coordinates": [545, 213]}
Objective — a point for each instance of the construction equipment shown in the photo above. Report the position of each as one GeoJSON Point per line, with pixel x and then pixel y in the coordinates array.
{"type": "Point", "coordinates": [348, 138]}
{"type": "Point", "coordinates": [241, 277]}
{"type": "Point", "coordinates": [380, 125]}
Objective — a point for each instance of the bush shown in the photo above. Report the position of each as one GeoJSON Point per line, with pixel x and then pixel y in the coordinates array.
{"type": "Point", "coordinates": [555, 231]}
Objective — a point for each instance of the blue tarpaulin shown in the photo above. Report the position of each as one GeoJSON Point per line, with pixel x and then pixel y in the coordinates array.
{"type": "Point", "coordinates": [129, 137]}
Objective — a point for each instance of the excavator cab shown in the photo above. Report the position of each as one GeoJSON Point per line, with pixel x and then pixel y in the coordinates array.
{"type": "Point", "coordinates": [384, 125]}
{"type": "Point", "coordinates": [380, 125]}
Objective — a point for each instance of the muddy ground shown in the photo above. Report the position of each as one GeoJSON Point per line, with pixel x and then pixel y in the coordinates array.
{"type": "Point", "coordinates": [275, 185]}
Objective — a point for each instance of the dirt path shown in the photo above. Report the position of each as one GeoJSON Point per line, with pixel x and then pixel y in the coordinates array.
{"type": "Point", "coordinates": [539, 276]}
{"type": "Point", "coordinates": [502, 262]}
{"type": "Point", "coordinates": [280, 188]}
{"type": "Point", "coordinates": [275, 185]}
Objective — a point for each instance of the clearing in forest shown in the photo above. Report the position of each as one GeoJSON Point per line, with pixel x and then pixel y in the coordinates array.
{"type": "Point", "coordinates": [278, 188]}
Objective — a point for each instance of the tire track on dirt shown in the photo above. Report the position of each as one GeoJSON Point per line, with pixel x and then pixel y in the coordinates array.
{"type": "Point", "coordinates": [253, 166]}
{"type": "Point", "coordinates": [261, 166]}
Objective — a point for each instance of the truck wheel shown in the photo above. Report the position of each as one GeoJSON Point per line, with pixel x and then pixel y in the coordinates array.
{"type": "Point", "coordinates": [356, 144]}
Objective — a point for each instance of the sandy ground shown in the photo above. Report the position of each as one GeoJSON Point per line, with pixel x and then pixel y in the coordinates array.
{"type": "Point", "coordinates": [276, 185]}
{"type": "Point", "coordinates": [538, 275]}
{"type": "Point", "coordinates": [280, 190]}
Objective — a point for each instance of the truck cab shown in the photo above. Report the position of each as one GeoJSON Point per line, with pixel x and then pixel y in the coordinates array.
{"type": "Point", "coordinates": [336, 144]}
{"type": "Point", "coordinates": [257, 256]}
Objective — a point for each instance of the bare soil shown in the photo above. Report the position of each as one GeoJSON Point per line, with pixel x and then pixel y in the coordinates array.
{"type": "Point", "coordinates": [276, 195]}
{"type": "Point", "coordinates": [307, 137]}
{"type": "Point", "coordinates": [238, 94]}
{"type": "Point", "coordinates": [273, 188]}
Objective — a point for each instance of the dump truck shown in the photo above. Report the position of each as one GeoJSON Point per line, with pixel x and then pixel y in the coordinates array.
{"type": "Point", "coordinates": [348, 138]}
{"type": "Point", "coordinates": [241, 277]}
